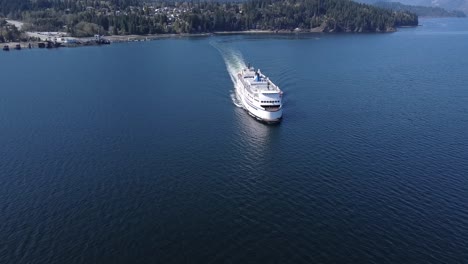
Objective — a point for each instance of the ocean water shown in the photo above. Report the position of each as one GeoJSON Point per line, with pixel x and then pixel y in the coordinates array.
{"type": "Point", "coordinates": [141, 152]}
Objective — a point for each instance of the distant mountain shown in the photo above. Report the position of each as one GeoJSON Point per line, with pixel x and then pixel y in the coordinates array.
{"type": "Point", "coordinates": [424, 11]}
{"type": "Point", "coordinates": [451, 5]}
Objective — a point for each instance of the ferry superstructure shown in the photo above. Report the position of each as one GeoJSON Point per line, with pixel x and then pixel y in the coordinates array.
{"type": "Point", "coordinates": [260, 97]}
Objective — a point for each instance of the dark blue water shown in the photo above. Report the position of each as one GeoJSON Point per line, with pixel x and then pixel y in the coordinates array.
{"type": "Point", "coordinates": [136, 153]}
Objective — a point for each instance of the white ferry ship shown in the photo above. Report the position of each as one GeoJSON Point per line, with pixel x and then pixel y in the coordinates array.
{"type": "Point", "coordinates": [260, 97]}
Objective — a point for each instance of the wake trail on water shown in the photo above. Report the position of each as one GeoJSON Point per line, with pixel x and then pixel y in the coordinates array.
{"type": "Point", "coordinates": [234, 63]}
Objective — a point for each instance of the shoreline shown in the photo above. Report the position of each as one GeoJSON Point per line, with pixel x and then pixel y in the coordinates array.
{"type": "Point", "coordinates": [88, 41]}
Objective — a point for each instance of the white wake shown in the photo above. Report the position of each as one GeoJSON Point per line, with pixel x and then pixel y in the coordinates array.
{"type": "Point", "coordinates": [234, 64]}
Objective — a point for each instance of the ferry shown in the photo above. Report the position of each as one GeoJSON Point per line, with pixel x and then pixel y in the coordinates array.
{"type": "Point", "coordinates": [260, 97]}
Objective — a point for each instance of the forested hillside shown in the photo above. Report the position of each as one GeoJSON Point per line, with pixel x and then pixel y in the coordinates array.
{"type": "Point", "coordinates": [87, 17]}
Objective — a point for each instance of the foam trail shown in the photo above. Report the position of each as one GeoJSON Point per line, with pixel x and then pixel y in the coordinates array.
{"type": "Point", "coordinates": [234, 64]}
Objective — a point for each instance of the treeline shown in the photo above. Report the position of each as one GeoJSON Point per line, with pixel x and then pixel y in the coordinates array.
{"type": "Point", "coordinates": [121, 17]}
{"type": "Point", "coordinates": [425, 11]}
{"type": "Point", "coordinates": [328, 15]}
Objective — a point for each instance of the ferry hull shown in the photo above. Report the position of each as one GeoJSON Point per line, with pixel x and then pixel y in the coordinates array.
{"type": "Point", "coordinates": [258, 113]}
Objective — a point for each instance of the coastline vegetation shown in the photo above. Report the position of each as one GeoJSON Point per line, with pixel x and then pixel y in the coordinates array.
{"type": "Point", "coordinates": [9, 32]}
{"type": "Point", "coordinates": [82, 18]}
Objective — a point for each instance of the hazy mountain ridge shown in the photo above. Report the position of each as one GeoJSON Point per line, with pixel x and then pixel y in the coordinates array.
{"type": "Point", "coordinates": [449, 5]}
{"type": "Point", "coordinates": [424, 11]}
